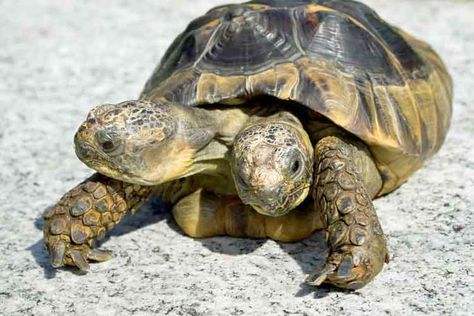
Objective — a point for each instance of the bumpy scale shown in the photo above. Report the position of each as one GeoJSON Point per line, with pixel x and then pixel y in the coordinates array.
{"type": "Point", "coordinates": [357, 244]}
{"type": "Point", "coordinates": [84, 214]}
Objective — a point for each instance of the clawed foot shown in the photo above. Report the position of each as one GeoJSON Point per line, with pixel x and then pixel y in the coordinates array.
{"type": "Point", "coordinates": [63, 253]}
{"type": "Point", "coordinates": [83, 215]}
{"type": "Point", "coordinates": [351, 269]}
{"type": "Point", "coordinates": [357, 244]}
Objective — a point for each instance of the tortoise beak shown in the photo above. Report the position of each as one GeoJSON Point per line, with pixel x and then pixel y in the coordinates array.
{"type": "Point", "coordinates": [272, 210]}
{"type": "Point", "coordinates": [81, 144]}
{"type": "Point", "coordinates": [267, 202]}
{"type": "Point", "coordinates": [82, 150]}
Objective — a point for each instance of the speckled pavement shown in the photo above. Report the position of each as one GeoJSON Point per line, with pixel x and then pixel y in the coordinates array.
{"type": "Point", "coordinates": [60, 58]}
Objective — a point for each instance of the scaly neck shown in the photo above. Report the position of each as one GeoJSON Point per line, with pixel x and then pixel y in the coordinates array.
{"type": "Point", "coordinates": [210, 133]}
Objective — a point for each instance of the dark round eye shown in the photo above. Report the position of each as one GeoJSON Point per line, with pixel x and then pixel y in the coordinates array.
{"type": "Point", "coordinates": [241, 180]}
{"type": "Point", "coordinates": [296, 166]}
{"type": "Point", "coordinates": [108, 146]}
{"type": "Point", "coordinates": [108, 141]}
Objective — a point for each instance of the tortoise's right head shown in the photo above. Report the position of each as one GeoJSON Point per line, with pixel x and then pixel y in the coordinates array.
{"type": "Point", "coordinates": [140, 142]}
{"type": "Point", "coordinates": [272, 164]}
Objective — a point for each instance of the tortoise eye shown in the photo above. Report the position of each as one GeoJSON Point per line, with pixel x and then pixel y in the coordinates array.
{"type": "Point", "coordinates": [296, 166]}
{"type": "Point", "coordinates": [241, 181]}
{"type": "Point", "coordinates": [108, 142]}
{"type": "Point", "coordinates": [107, 146]}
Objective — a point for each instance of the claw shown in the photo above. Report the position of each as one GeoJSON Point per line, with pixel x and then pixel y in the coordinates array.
{"type": "Point", "coordinates": [319, 276]}
{"type": "Point", "coordinates": [79, 260]}
{"type": "Point", "coordinates": [99, 255]}
{"type": "Point", "coordinates": [57, 254]}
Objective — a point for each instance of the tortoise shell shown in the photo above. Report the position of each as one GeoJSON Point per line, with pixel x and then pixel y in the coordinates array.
{"type": "Point", "coordinates": [338, 58]}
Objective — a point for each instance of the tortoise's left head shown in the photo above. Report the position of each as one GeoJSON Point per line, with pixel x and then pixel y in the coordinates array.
{"type": "Point", "coordinates": [140, 142]}
{"type": "Point", "coordinates": [272, 164]}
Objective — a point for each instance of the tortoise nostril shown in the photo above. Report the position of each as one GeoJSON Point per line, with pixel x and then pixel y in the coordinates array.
{"type": "Point", "coordinates": [82, 128]}
{"type": "Point", "coordinates": [81, 150]}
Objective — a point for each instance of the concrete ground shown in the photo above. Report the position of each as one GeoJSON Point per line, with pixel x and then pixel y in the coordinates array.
{"type": "Point", "coordinates": [60, 58]}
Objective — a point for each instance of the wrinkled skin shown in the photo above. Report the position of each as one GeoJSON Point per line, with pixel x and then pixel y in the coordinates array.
{"type": "Point", "coordinates": [154, 143]}
{"type": "Point", "coordinates": [119, 140]}
{"type": "Point", "coordinates": [272, 164]}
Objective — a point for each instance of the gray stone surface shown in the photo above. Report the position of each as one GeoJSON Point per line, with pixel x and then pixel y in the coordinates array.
{"type": "Point", "coordinates": [59, 58]}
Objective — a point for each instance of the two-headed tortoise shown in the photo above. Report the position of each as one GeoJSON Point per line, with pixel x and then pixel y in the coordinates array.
{"type": "Point", "coordinates": [253, 107]}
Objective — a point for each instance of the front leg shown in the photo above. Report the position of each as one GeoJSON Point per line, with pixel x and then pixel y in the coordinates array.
{"type": "Point", "coordinates": [84, 214]}
{"type": "Point", "coordinates": [357, 244]}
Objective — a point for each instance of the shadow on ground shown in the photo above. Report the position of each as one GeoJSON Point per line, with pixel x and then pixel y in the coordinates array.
{"type": "Point", "coordinates": [309, 253]}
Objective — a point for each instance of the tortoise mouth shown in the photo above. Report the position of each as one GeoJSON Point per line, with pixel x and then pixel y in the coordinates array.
{"type": "Point", "coordinates": [121, 174]}
{"type": "Point", "coordinates": [94, 160]}
{"type": "Point", "coordinates": [276, 204]}
{"type": "Point", "coordinates": [275, 211]}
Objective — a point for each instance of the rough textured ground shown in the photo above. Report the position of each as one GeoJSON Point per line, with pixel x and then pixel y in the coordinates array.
{"type": "Point", "coordinates": [59, 58]}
